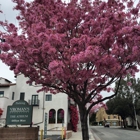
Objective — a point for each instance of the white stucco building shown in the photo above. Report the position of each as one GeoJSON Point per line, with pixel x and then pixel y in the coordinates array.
{"type": "Point", "coordinates": [56, 106]}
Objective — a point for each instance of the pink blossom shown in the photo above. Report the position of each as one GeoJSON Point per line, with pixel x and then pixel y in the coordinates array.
{"type": "Point", "coordinates": [35, 52]}
{"type": "Point", "coordinates": [78, 48]}
{"type": "Point", "coordinates": [53, 65]}
{"type": "Point", "coordinates": [135, 11]}
{"type": "Point", "coordinates": [5, 46]}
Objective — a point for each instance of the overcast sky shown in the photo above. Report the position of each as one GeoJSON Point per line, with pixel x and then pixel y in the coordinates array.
{"type": "Point", "coordinates": [9, 14]}
{"type": "Point", "coordinates": [7, 7]}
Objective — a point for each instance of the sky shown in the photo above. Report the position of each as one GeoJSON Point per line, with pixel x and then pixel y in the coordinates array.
{"type": "Point", "coordinates": [6, 6]}
{"type": "Point", "coordinates": [9, 14]}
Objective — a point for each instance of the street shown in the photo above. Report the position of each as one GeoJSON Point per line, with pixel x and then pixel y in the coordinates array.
{"type": "Point", "coordinates": [114, 133]}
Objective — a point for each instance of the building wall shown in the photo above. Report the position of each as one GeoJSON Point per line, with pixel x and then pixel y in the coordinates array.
{"type": "Point", "coordinates": [6, 100]}
{"type": "Point", "coordinates": [4, 81]}
{"type": "Point", "coordinates": [59, 101]}
{"type": "Point", "coordinates": [102, 117]}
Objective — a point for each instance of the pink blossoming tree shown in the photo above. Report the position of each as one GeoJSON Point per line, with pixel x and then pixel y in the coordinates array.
{"type": "Point", "coordinates": [78, 48]}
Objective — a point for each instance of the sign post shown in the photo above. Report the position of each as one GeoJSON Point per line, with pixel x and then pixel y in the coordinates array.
{"type": "Point", "coordinates": [20, 113]}
{"type": "Point", "coordinates": [45, 126]}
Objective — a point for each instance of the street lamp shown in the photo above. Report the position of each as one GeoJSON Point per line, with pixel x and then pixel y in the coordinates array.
{"type": "Point", "coordinates": [135, 113]}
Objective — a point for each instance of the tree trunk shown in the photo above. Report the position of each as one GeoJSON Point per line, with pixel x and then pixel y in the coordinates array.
{"type": "Point", "coordinates": [84, 124]}
{"type": "Point", "coordinates": [133, 123]}
{"type": "Point", "coordinates": [138, 124]}
{"type": "Point", "coordinates": [124, 123]}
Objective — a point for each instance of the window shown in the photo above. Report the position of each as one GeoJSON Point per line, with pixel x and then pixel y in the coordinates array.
{"type": "Point", "coordinates": [60, 116]}
{"type": "Point", "coordinates": [1, 93]}
{"type": "Point", "coordinates": [48, 97]}
{"type": "Point", "coordinates": [52, 116]}
{"type": "Point", "coordinates": [13, 94]}
{"type": "Point", "coordinates": [34, 100]}
{"type": "Point", "coordinates": [22, 95]}
{"type": "Point", "coordinates": [108, 117]}
{"type": "Point", "coordinates": [115, 117]}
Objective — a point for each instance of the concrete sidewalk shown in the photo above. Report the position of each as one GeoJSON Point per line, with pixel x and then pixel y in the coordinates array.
{"type": "Point", "coordinates": [54, 135]}
{"type": "Point", "coordinates": [78, 135]}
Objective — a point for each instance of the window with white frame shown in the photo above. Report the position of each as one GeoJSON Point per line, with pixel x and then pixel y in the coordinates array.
{"type": "Point", "coordinates": [34, 99]}
{"type": "Point", "coordinates": [49, 97]}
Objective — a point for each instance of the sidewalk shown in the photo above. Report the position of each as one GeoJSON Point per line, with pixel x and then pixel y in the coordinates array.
{"type": "Point", "coordinates": [78, 136]}
{"type": "Point", "coordinates": [75, 135]}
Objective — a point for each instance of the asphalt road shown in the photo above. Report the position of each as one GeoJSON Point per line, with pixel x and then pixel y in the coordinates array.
{"type": "Point", "coordinates": [114, 133]}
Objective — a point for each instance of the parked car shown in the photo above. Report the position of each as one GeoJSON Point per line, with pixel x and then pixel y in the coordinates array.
{"type": "Point", "coordinates": [107, 125]}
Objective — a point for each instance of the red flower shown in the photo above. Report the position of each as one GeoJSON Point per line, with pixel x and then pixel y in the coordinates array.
{"type": "Point", "coordinates": [1, 111]}
{"type": "Point", "coordinates": [74, 117]}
